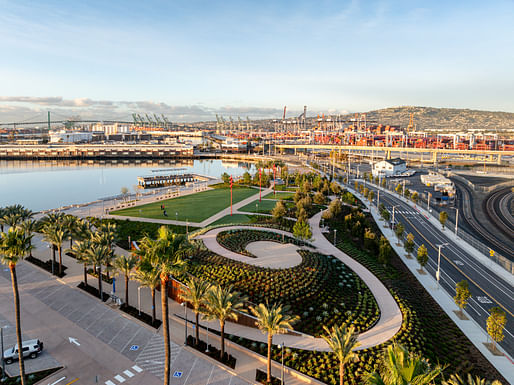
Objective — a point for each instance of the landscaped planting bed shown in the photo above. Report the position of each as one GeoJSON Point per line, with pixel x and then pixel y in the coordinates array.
{"type": "Point", "coordinates": [426, 328]}
{"type": "Point", "coordinates": [321, 290]}
{"type": "Point", "coordinates": [237, 240]}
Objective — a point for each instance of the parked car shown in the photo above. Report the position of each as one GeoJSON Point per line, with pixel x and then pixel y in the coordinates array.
{"type": "Point", "coordinates": [30, 348]}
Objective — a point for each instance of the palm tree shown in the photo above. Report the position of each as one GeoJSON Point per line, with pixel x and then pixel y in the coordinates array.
{"type": "Point", "coordinates": [56, 234]}
{"type": "Point", "coordinates": [222, 304]}
{"type": "Point", "coordinates": [106, 236]}
{"type": "Point", "coordinates": [272, 320]}
{"type": "Point", "coordinates": [399, 367]}
{"type": "Point", "coordinates": [97, 255]}
{"type": "Point", "coordinates": [81, 251]}
{"type": "Point", "coordinates": [14, 246]}
{"type": "Point", "coordinates": [342, 341]}
{"type": "Point", "coordinates": [3, 212]}
{"type": "Point", "coordinates": [124, 264]}
{"type": "Point", "coordinates": [455, 379]}
{"type": "Point", "coordinates": [28, 226]}
{"type": "Point", "coordinates": [148, 277]}
{"type": "Point", "coordinates": [195, 292]}
{"type": "Point", "coordinates": [71, 223]}
{"type": "Point", "coordinates": [165, 255]}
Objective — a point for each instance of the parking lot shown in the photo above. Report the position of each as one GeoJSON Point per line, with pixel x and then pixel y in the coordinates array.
{"type": "Point", "coordinates": [116, 347]}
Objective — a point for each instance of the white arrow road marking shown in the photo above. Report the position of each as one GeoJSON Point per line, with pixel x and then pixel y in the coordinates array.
{"type": "Point", "coordinates": [73, 341]}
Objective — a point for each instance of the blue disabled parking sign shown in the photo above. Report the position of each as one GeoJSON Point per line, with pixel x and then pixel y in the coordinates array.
{"type": "Point", "coordinates": [134, 347]}
{"type": "Point", "coordinates": [177, 374]}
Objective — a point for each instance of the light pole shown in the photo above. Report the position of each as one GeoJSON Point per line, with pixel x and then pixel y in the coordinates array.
{"type": "Point", "coordinates": [207, 349]}
{"type": "Point", "coordinates": [139, 299]}
{"type": "Point", "coordinates": [335, 236]}
{"type": "Point", "coordinates": [187, 227]}
{"type": "Point", "coordinates": [378, 198]}
{"type": "Point", "coordinates": [438, 272]}
{"type": "Point", "coordinates": [392, 219]}
{"type": "Point", "coordinates": [3, 362]}
{"type": "Point", "coordinates": [456, 221]}
{"type": "Point", "coordinates": [176, 215]}
{"type": "Point", "coordinates": [184, 304]}
{"type": "Point", "coordinates": [282, 372]}
{"type": "Point", "coordinates": [428, 203]}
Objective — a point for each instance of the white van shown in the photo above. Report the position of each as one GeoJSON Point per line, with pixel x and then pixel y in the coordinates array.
{"type": "Point", "coordinates": [31, 348]}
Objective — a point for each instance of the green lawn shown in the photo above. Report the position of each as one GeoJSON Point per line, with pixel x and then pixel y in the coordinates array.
{"type": "Point", "coordinates": [265, 206]}
{"type": "Point", "coordinates": [194, 208]}
{"type": "Point", "coordinates": [279, 195]}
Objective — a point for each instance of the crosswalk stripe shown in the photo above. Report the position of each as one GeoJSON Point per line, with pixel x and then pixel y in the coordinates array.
{"type": "Point", "coordinates": [119, 378]}
{"type": "Point", "coordinates": [128, 373]}
{"type": "Point", "coordinates": [137, 368]}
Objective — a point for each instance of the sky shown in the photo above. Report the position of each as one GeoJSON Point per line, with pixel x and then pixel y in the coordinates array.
{"type": "Point", "coordinates": [192, 59]}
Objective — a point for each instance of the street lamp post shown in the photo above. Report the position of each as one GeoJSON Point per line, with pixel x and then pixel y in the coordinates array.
{"type": "Point", "coordinates": [207, 349]}
{"type": "Point", "coordinates": [282, 372]}
{"type": "Point", "coordinates": [438, 272]}
{"type": "Point", "coordinates": [3, 362]}
{"type": "Point", "coordinates": [184, 304]}
{"type": "Point", "coordinates": [456, 221]}
{"type": "Point", "coordinates": [378, 198]}
{"type": "Point", "coordinates": [335, 236]}
{"type": "Point", "coordinates": [428, 203]}
{"type": "Point", "coordinates": [392, 219]}
{"type": "Point", "coordinates": [139, 299]}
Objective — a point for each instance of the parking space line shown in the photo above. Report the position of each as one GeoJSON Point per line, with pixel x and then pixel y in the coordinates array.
{"type": "Point", "coordinates": [119, 378]}
{"type": "Point", "coordinates": [109, 382]}
{"type": "Point", "coordinates": [137, 368]}
{"type": "Point", "coordinates": [128, 373]}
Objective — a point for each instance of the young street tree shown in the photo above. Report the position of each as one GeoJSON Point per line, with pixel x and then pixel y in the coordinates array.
{"type": "Point", "coordinates": [462, 295]}
{"type": "Point", "coordinates": [422, 257]}
{"type": "Point", "coordinates": [399, 231]}
{"type": "Point", "coordinates": [495, 325]}
{"type": "Point", "coordinates": [409, 245]}
{"type": "Point", "coordinates": [443, 217]}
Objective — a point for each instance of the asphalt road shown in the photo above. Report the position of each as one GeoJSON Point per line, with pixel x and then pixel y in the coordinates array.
{"type": "Point", "coordinates": [487, 289]}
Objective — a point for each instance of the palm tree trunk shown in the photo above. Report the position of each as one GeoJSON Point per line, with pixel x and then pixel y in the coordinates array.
{"type": "Point", "coordinates": [222, 350]}
{"type": "Point", "coordinates": [100, 283]}
{"type": "Point", "coordinates": [85, 275]}
{"type": "Point", "coordinates": [14, 281]}
{"type": "Point", "coordinates": [60, 259]}
{"type": "Point", "coordinates": [153, 306]}
{"type": "Point", "coordinates": [53, 258]}
{"type": "Point", "coordinates": [341, 373]}
{"type": "Point", "coordinates": [165, 328]}
{"type": "Point", "coordinates": [270, 340]}
{"type": "Point", "coordinates": [126, 289]}
{"type": "Point", "coordinates": [197, 339]}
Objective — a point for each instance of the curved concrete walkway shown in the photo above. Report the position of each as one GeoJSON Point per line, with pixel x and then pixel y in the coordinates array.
{"type": "Point", "coordinates": [390, 320]}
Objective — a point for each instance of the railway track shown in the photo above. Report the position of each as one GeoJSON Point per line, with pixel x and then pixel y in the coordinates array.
{"type": "Point", "coordinates": [467, 204]}
{"type": "Point", "coordinates": [497, 209]}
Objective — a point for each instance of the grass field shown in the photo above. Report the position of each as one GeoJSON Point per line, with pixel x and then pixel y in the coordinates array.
{"type": "Point", "coordinates": [194, 208]}
{"type": "Point", "coordinates": [280, 195]}
{"type": "Point", "coordinates": [265, 206]}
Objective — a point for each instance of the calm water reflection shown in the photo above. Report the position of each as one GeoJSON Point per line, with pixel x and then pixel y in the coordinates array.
{"type": "Point", "coordinates": [41, 185]}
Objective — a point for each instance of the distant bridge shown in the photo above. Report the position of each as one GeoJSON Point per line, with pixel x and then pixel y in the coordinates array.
{"type": "Point", "coordinates": [434, 154]}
